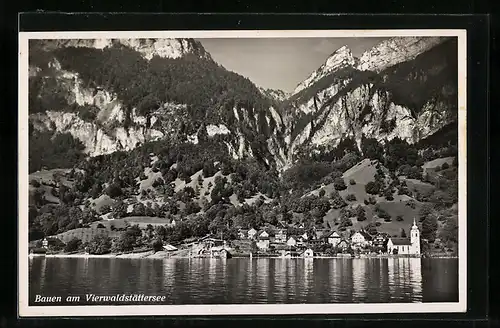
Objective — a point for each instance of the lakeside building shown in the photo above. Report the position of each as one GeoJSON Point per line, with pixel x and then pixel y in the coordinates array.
{"type": "Point", "coordinates": [308, 253]}
{"type": "Point", "coordinates": [263, 242]}
{"type": "Point", "coordinates": [292, 241]}
{"type": "Point", "coordinates": [252, 233]}
{"type": "Point", "coordinates": [333, 238]}
{"type": "Point", "coordinates": [361, 239]}
{"type": "Point", "coordinates": [406, 246]}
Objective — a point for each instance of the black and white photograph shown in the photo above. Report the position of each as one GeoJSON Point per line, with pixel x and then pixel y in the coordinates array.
{"type": "Point", "coordinates": [242, 172]}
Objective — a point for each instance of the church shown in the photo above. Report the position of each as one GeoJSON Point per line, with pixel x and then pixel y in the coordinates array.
{"type": "Point", "coordinates": [406, 246]}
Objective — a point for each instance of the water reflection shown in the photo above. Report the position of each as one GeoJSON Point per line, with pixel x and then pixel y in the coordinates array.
{"type": "Point", "coordinates": [212, 281]}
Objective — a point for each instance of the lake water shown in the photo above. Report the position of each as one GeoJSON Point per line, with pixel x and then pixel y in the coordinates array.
{"type": "Point", "coordinates": [245, 281]}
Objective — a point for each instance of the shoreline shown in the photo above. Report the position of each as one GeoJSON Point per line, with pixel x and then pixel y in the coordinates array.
{"type": "Point", "coordinates": [164, 255]}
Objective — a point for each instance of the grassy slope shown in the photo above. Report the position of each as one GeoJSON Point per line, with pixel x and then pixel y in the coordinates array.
{"type": "Point", "coordinates": [362, 173]}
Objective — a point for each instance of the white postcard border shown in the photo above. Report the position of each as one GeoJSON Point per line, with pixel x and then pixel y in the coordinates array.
{"type": "Point", "coordinates": [24, 310]}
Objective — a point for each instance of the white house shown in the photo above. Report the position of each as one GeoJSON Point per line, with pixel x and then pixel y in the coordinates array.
{"type": "Point", "coordinates": [263, 243]}
{"type": "Point", "coordinates": [406, 246]}
{"type": "Point", "coordinates": [360, 238]}
{"type": "Point", "coordinates": [251, 233]}
{"type": "Point", "coordinates": [333, 238]}
{"type": "Point", "coordinates": [291, 242]}
{"type": "Point", "coordinates": [304, 236]}
{"type": "Point", "coordinates": [308, 253]}
{"type": "Point", "coordinates": [263, 234]}
{"type": "Point", "coordinates": [280, 236]}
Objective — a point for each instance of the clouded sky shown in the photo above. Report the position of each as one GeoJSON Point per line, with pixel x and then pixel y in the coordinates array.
{"type": "Point", "coordinates": [280, 63]}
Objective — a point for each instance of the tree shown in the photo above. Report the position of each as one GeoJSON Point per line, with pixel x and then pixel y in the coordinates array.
{"type": "Point", "coordinates": [429, 228]}
{"type": "Point", "coordinates": [160, 232]}
{"type": "Point", "coordinates": [322, 192]}
{"type": "Point", "coordinates": [100, 244]}
{"type": "Point", "coordinates": [351, 197]}
{"type": "Point", "coordinates": [403, 233]}
{"type": "Point", "coordinates": [339, 184]}
{"type": "Point", "coordinates": [445, 166]}
{"type": "Point", "coordinates": [191, 208]}
{"type": "Point", "coordinates": [73, 245]}
{"type": "Point", "coordinates": [371, 148]}
{"type": "Point", "coordinates": [388, 194]}
{"type": "Point", "coordinates": [425, 211]}
{"type": "Point", "coordinates": [125, 242]}
{"type": "Point", "coordinates": [360, 213]}
{"type": "Point", "coordinates": [114, 190]}
{"type": "Point", "coordinates": [372, 187]}
{"type": "Point", "coordinates": [337, 200]}
{"type": "Point", "coordinates": [352, 182]}
{"type": "Point", "coordinates": [35, 183]}
{"type": "Point", "coordinates": [450, 230]}
{"type": "Point", "coordinates": [157, 245]}
{"type": "Point", "coordinates": [399, 218]}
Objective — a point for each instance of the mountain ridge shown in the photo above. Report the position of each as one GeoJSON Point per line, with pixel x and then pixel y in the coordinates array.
{"type": "Point", "coordinates": [164, 139]}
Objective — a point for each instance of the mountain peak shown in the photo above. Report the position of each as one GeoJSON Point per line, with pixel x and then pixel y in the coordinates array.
{"type": "Point", "coordinates": [340, 58]}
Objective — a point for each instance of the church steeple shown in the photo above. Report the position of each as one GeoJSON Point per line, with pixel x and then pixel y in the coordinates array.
{"type": "Point", "coordinates": [415, 238]}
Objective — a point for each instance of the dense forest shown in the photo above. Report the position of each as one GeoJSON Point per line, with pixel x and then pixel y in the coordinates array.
{"type": "Point", "coordinates": [115, 175]}
{"type": "Point", "coordinates": [206, 87]}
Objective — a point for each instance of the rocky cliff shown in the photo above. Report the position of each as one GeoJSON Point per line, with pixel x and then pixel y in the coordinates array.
{"type": "Point", "coordinates": [403, 87]}
{"type": "Point", "coordinates": [164, 48]}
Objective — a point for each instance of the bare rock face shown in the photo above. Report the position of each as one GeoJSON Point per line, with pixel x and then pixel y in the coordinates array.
{"type": "Point", "coordinates": [396, 50]}
{"type": "Point", "coordinates": [403, 87]}
{"type": "Point", "coordinates": [164, 48]}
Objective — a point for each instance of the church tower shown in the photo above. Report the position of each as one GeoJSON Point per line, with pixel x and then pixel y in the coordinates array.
{"type": "Point", "coordinates": [415, 239]}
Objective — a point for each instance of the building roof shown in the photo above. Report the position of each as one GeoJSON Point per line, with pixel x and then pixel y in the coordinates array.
{"type": "Point", "coordinates": [331, 234]}
{"type": "Point", "coordinates": [283, 224]}
{"type": "Point", "coordinates": [219, 248]}
{"type": "Point", "coordinates": [366, 235]}
{"type": "Point", "coordinates": [401, 241]}
{"type": "Point", "coordinates": [169, 247]}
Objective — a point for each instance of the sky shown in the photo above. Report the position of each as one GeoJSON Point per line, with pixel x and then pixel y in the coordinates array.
{"type": "Point", "coordinates": [280, 63]}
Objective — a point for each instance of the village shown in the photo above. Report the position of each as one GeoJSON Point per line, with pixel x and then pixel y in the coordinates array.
{"type": "Point", "coordinates": [273, 242]}
{"type": "Point", "coordinates": [270, 241]}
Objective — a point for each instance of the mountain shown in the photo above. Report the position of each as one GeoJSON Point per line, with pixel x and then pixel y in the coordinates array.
{"type": "Point", "coordinates": [156, 130]}
{"type": "Point", "coordinates": [114, 95]}
{"type": "Point", "coordinates": [404, 88]}
{"type": "Point", "coordinates": [396, 50]}
{"type": "Point", "coordinates": [164, 48]}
